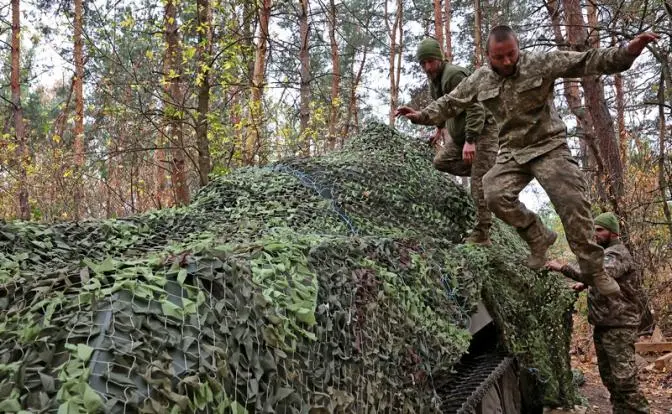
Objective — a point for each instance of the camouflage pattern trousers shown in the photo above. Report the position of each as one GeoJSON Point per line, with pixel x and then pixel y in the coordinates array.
{"type": "Point", "coordinates": [615, 348]}
{"type": "Point", "coordinates": [559, 175]}
{"type": "Point", "coordinates": [449, 159]}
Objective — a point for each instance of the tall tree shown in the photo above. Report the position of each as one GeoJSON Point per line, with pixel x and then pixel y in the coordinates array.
{"type": "Point", "coordinates": [174, 105]}
{"type": "Point", "coordinates": [447, 16]}
{"type": "Point", "coordinates": [611, 180]}
{"type": "Point", "coordinates": [304, 88]}
{"type": "Point", "coordinates": [335, 101]}
{"type": "Point", "coordinates": [478, 46]}
{"type": "Point", "coordinates": [357, 45]}
{"type": "Point", "coordinates": [79, 107]}
{"type": "Point", "coordinates": [205, 40]}
{"type": "Point", "coordinates": [17, 113]}
{"type": "Point", "coordinates": [593, 118]}
{"type": "Point", "coordinates": [620, 117]}
{"type": "Point", "coordinates": [395, 31]}
{"type": "Point", "coordinates": [662, 181]}
{"type": "Point", "coordinates": [253, 140]}
{"type": "Point", "coordinates": [438, 22]}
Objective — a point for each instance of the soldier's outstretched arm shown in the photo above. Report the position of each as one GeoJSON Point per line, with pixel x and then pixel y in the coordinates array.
{"type": "Point", "coordinates": [573, 272]}
{"type": "Point", "coordinates": [567, 269]}
{"type": "Point", "coordinates": [463, 97]}
{"type": "Point", "coordinates": [565, 64]}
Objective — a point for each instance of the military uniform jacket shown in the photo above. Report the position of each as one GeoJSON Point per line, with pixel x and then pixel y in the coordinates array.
{"type": "Point", "coordinates": [467, 125]}
{"type": "Point", "coordinates": [624, 310]}
{"type": "Point", "coordinates": [522, 104]}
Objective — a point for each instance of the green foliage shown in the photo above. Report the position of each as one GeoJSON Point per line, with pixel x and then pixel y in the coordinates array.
{"type": "Point", "coordinates": [331, 284]}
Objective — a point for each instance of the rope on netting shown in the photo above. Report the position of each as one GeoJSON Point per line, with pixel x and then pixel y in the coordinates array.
{"type": "Point", "coordinates": [323, 191]}
{"type": "Point", "coordinates": [460, 301]}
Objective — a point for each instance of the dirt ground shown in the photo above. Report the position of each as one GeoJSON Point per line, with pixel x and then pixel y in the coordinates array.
{"type": "Point", "coordinates": [656, 385]}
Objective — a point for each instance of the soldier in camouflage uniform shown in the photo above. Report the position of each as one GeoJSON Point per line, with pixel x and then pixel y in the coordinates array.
{"type": "Point", "coordinates": [616, 318]}
{"type": "Point", "coordinates": [517, 88]}
{"type": "Point", "coordinates": [471, 148]}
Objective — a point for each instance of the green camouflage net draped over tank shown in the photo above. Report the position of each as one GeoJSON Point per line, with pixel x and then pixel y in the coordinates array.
{"type": "Point", "coordinates": [329, 284]}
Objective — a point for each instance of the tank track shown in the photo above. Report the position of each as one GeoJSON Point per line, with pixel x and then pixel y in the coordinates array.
{"type": "Point", "coordinates": [473, 376]}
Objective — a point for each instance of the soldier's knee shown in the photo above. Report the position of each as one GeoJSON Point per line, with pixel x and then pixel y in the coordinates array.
{"type": "Point", "coordinates": [451, 167]}
{"type": "Point", "coordinates": [495, 198]}
{"type": "Point", "coordinates": [439, 163]}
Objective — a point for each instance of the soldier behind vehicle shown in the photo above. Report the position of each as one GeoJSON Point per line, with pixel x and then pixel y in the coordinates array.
{"type": "Point", "coordinates": [616, 318]}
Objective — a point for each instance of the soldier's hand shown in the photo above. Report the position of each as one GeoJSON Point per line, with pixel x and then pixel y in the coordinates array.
{"type": "Point", "coordinates": [578, 287]}
{"type": "Point", "coordinates": [408, 112]}
{"type": "Point", "coordinates": [555, 265]}
{"type": "Point", "coordinates": [468, 152]}
{"type": "Point", "coordinates": [636, 45]}
{"type": "Point", "coordinates": [436, 137]}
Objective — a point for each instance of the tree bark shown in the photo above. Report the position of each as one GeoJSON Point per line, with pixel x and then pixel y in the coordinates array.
{"type": "Point", "coordinates": [610, 180]}
{"type": "Point", "coordinates": [79, 109]}
{"type": "Point", "coordinates": [620, 116]}
{"type": "Point", "coordinates": [400, 46]}
{"type": "Point", "coordinates": [253, 140]}
{"type": "Point", "coordinates": [352, 101]}
{"type": "Point", "coordinates": [203, 84]}
{"type": "Point", "coordinates": [593, 25]}
{"type": "Point", "coordinates": [478, 46]}
{"type": "Point", "coordinates": [395, 49]}
{"type": "Point", "coordinates": [335, 104]}
{"type": "Point", "coordinates": [447, 16]}
{"type": "Point", "coordinates": [662, 182]}
{"type": "Point", "coordinates": [22, 158]}
{"type": "Point", "coordinates": [438, 22]}
{"type": "Point", "coordinates": [304, 89]}
{"type": "Point", "coordinates": [175, 103]}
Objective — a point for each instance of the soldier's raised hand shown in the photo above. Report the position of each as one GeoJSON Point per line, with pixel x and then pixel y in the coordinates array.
{"type": "Point", "coordinates": [636, 45]}
{"type": "Point", "coordinates": [407, 112]}
{"type": "Point", "coordinates": [554, 265]}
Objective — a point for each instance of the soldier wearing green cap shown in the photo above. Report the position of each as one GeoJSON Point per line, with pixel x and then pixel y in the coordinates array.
{"type": "Point", "coordinates": [616, 318]}
{"type": "Point", "coordinates": [471, 147]}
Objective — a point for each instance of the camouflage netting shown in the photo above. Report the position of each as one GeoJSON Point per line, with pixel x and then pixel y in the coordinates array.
{"type": "Point", "coordinates": [331, 284]}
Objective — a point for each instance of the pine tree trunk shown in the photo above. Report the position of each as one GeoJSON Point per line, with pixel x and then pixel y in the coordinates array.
{"type": "Point", "coordinates": [593, 25]}
{"type": "Point", "coordinates": [79, 109]}
{"type": "Point", "coordinates": [22, 156]}
{"type": "Point", "coordinates": [438, 22]}
{"type": "Point", "coordinates": [351, 115]}
{"type": "Point", "coordinates": [395, 49]}
{"type": "Point", "coordinates": [203, 84]}
{"type": "Point", "coordinates": [478, 46]}
{"type": "Point", "coordinates": [335, 104]}
{"type": "Point", "coordinates": [400, 46]}
{"type": "Point", "coordinates": [253, 140]}
{"type": "Point", "coordinates": [304, 89]}
{"type": "Point", "coordinates": [573, 94]}
{"type": "Point", "coordinates": [620, 115]}
{"type": "Point", "coordinates": [447, 16]}
{"type": "Point", "coordinates": [175, 104]}
{"type": "Point", "coordinates": [610, 177]}
{"type": "Point", "coordinates": [662, 182]}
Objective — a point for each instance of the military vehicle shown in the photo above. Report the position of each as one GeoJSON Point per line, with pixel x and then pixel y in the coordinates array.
{"type": "Point", "coordinates": [332, 284]}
